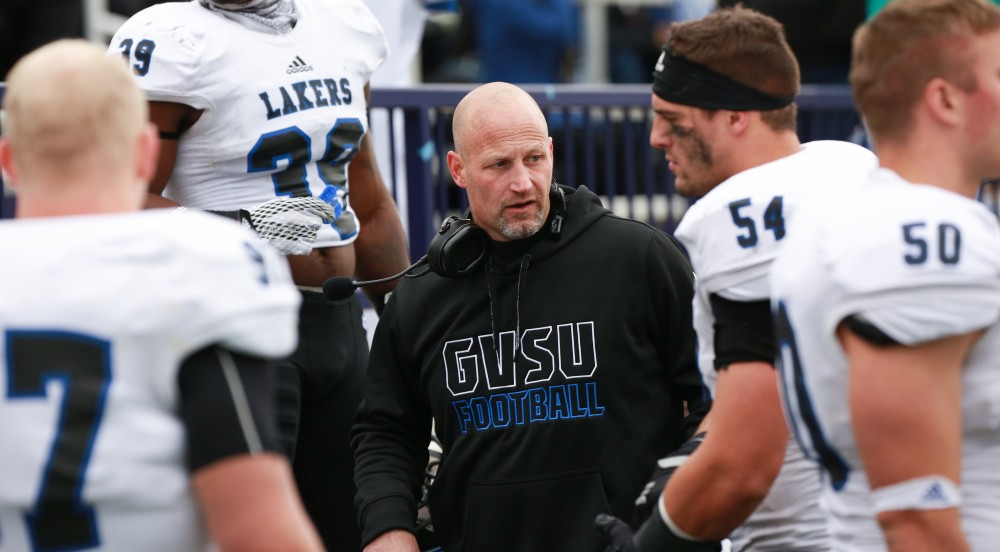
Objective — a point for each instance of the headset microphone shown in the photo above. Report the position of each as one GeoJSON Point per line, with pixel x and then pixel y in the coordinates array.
{"type": "Point", "coordinates": [341, 287]}
{"type": "Point", "coordinates": [457, 250]}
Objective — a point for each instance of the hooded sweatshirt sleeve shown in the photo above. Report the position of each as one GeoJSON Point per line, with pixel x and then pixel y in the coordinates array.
{"type": "Point", "coordinates": [390, 435]}
{"type": "Point", "coordinates": [670, 282]}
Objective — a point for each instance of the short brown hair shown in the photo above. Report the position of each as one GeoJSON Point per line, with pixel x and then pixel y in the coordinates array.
{"type": "Point", "coordinates": [905, 46]}
{"type": "Point", "coordinates": [746, 46]}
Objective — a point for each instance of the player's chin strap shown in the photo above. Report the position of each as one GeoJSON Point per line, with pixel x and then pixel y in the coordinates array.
{"type": "Point", "coordinates": [279, 15]}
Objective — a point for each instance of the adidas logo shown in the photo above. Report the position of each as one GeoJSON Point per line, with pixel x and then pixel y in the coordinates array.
{"type": "Point", "coordinates": [298, 66]}
{"type": "Point", "coordinates": [934, 493]}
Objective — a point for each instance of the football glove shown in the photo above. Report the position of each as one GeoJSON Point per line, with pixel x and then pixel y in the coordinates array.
{"type": "Point", "coordinates": [290, 224]}
{"type": "Point", "coordinates": [653, 536]}
{"type": "Point", "coordinates": [645, 505]}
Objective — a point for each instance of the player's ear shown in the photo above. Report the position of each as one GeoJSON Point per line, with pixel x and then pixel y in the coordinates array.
{"type": "Point", "coordinates": [7, 163]}
{"type": "Point", "coordinates": [737, 121]}
{"type": "Point", "coordinates": [944, 101]}
{"type": "Point", "coordinates": [147, 153]}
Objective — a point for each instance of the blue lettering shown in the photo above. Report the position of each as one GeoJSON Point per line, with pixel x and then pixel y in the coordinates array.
{"type": "Point", "coordinates": [289, 105]}
{"type": "Point", "coordinates": [300, 92]}
{"type": "Point", "coordinates": [537, 405]}
{"type": "Point", "coordinates": [317, 86]}
{"type": "Point", "coordinates": [480, 413]}
{"type": "Point", "coordinates": [576, 407]}
{"type": "Point", "coordinates": [593, 407]}
{"type": "Point", "coordinates": [558, 404]}
{"type": "Point", "coordinates": [331, 87]}
{"type": "Point", "coordinates": [345, 87]}
{"type": "Point", "coordinates": [500, 410]}
{"type": "Point", "coordinates": [463, 413]}
{"type": "Point", "coordinates": [272, 113]}
{"type": "Point", "coordinates": [517, 400]}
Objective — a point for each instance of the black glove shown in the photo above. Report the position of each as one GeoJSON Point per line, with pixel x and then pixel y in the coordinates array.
{"type": "Point", "coordinates": [653, 536]}
{"type": "Point", "coordinates": [645, 505]}
{"type": "Point", "coordinates": [616, 533]}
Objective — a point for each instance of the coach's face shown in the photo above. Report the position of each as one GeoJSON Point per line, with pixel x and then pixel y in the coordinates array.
{"type": "Point", "coordinates": [506, 169]}
{"type": "Point", "coordinates": [685, 135]}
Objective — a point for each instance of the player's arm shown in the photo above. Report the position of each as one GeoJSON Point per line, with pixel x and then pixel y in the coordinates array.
{"type": "Point", "coordinates": [171, 120]}
{"type": "Point", "coordinates": [732, 471]}
{"type": "Point", "coordinates": [243, 485]}
{"type": "Point", "coordinates": [902, 398]}
{"type": "Point", "coordinates": [394, 541]}
{"type": "Point", "coordinates": [381, 244]}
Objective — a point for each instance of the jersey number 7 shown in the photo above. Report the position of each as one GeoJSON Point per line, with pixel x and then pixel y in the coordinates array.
{"type": "Point", "coordinates": [60, 520]}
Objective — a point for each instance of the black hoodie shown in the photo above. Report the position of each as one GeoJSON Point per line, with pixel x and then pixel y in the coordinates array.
{"type": "Point", "coordinates": [571, 428]}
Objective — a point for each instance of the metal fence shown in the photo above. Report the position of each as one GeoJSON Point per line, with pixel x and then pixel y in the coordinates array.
{"type": "Point", "coordinates": [601, 139]}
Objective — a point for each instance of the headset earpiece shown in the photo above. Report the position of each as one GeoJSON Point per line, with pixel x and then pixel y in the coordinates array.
{"type": "Point", "coordinates": [458, 249]}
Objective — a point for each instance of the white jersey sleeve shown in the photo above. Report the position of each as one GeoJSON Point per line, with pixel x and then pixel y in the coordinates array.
{"type": "Point", "coordinates": [167, 47]}
{"type": "Point", "coordinates": [98, 327]}
{"type": "Point", "coordinates": [248, 310]}
{"type": "Point", "coordinates": [919, 263]}
{"type": "Point", "coordinates": [280, 114]}
{"type": "Point", "coordinates": [924, 269]}
{"type": "Point", "coordinates": [733, 233]}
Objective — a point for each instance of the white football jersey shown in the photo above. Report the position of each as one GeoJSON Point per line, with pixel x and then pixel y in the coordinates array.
{"type": "Point", "coordinates": [92, 333]}
{"type": "Point", "coordinates": [732, 235]}
{"type": "Point", "coordinates": [282, 113]}
{"type": "Point", "coordinates": [920, 263]}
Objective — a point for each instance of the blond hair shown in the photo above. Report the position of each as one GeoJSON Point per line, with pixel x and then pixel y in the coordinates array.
{"type": "Point", "coordinates": [70, 107]}
{"type": "Point", "coordinates": [905, 46]}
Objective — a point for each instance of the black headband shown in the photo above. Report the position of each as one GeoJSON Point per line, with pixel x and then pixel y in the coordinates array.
{"type": "Point", "coordinates": [682, 81]}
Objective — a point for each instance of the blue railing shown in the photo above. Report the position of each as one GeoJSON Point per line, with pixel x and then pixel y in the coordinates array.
{"type": "Point", "coordinates": [601, 139]}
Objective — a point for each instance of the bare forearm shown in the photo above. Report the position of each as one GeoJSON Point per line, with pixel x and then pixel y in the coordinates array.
{"type": "Point", "coordinates": [923, 530]}
{"type": "Point", "coordinates": [156, 201]}
{"type": "Point", "coordinates": [394, 541]}
{"type": "Point", "coordinates": [709, 497]}
{"type": "Point", "coordinates": [381, 249]}
{"type": "Point", "coordinates": [732, 471]}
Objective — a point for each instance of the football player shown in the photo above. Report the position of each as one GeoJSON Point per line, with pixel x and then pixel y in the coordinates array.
{"type": "Point", "coordinates": [136, 387]}
{"type": "Point", "coordinates": [265, 101]}
{"type": "Point", "coordinates": [888, 304]}
{"type": "Point", "coordinates": [725, 116]}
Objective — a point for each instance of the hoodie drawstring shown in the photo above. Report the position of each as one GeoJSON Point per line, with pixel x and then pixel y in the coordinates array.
{"type": "Point", "coordinates": [522, 279]}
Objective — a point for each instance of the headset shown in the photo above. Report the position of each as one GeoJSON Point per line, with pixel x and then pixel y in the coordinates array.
{"type": "Point", "coordinates": [457, 250]}
{"type": "Point", "coordinates": [460, 246]}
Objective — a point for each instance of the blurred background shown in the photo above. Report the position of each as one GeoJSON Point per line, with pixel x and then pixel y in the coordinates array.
{"type": "Point", "coordinates": [587, 62]}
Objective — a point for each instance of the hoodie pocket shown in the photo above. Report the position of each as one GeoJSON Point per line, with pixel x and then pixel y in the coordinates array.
{"type": "Point", "coordinates": [551, 513]}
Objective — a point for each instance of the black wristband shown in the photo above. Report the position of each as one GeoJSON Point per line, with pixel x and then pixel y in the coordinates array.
{"type": "Point", "coordinates": [241, 215]}
{"type": "Point", "coordinates": [655, 535]}
{"type": "Point", "coordinates": [235, 215]}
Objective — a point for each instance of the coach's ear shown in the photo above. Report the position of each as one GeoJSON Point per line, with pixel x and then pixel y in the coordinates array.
{"type": "Point", "coordinates": [7, 163]}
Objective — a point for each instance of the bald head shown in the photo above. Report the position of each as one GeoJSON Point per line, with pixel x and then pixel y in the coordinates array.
{"type": "Point", "coordinates": [495, 103]}
{"type": "Point", "coordinates": [70, 106]}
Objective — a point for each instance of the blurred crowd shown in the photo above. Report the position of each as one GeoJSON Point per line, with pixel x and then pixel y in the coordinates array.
{"type": "Point", "coordinates": [518, 41]}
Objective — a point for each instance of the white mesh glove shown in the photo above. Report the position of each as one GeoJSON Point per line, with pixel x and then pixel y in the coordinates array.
{"type": "Point", "coordinates": [290, 224]}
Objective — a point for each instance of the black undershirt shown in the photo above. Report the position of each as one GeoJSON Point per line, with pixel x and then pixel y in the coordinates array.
{"type": "Point", "coordinates": [210, 406]}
